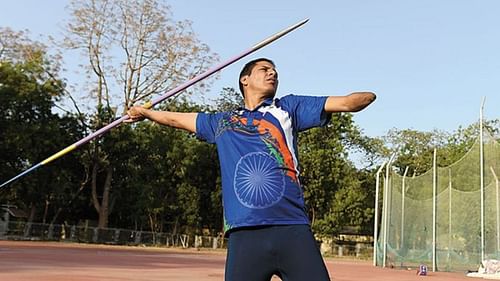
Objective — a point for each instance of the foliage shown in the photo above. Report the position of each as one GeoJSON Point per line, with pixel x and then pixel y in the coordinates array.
{"type": "Point", "coordinates": [415, 149]}
{"type": "Point", "coordinates": [169, 180]}
{"type": "Point", "coordinates": [136, 48]}
{"type": "Point", "coordinates": [30, 131]}
{"type": "Point", "coordinates": [335, 192]}
{"type": "Point", "coordinates": [228, 100]}
{"type": "Point", "coordinates": [144, 176]}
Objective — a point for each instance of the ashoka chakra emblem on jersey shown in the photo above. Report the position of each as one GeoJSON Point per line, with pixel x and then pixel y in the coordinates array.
{"type": "Point", "coordinates": [257, 182]}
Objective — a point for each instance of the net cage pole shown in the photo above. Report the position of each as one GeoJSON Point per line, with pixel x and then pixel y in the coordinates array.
{"type": "Point", "coordinates": [375, 224]}
{"type": "Point", "coordinates": [481, 172]}
{"type": "Point", "coordinates": [386, 208]}
{"type": "Point", "coordinates": [450, 186]}
{"type": "Point", "coordinates": [434, 208]}
{"type": "Point", "coordinates": [497, 208]}
{"type": "Point", "coordinates": [403, 190]}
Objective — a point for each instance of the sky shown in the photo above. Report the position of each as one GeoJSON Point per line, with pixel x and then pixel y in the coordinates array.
{"type": "Point", "coordinates": [430, 62]}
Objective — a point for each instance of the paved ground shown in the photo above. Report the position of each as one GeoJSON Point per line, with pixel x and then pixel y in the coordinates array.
{"type": "Point", "coordinates": [41, 261]}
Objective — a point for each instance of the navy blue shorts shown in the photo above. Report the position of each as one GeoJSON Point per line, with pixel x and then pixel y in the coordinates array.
{"type": "Point", "coordinates": [288, 251]}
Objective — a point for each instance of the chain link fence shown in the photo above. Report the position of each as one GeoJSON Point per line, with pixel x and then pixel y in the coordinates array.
{"type": "Point", "coordinates": [20, 230]}
{"type": "Point", "coordinates": [111, 236]}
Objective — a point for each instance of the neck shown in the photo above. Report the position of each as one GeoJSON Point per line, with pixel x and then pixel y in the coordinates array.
{"type": "Point", "coordinates": [253, 101]}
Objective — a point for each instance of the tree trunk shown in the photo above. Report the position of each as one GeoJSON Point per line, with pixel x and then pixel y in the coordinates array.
{"type": "Point", "coordinates": [32, 213]}
{"type": "Point", "coordinates": [59, 210]}
{"type": "Point", "coordinates": [46, 210]}
{"type": "Point", "coordinates": [102, 207]}
{"type": "Point", "coordinates": [104, 213]}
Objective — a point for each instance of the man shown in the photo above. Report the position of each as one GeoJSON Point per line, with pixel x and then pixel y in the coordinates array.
{"type": "Point", "coordinates": [264, 213]}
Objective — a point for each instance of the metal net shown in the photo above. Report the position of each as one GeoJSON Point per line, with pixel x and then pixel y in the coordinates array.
{"type": "Point", "coordinates": [447, 231]}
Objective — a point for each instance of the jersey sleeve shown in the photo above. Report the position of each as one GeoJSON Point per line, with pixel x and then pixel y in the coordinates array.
{"type": "Point", "coordinates": [307, 111]}
{"type": "Point", "coordinates": [206, 126]}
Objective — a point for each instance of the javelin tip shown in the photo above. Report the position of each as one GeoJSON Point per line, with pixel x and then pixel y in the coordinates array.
{"type": "Point", "coordinates": [300, 23]}
{"type": "Point", "coordinates": [279, 34]}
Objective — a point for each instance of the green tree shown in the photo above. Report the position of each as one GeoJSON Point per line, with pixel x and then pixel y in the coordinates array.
{"type": "Point", "coordinates": [137, 47]}
{"type": "Point", "coordinates": [335, 191]}
{"type": "Point", "coordinates": [415, 149]}
{"type": "Point", "coordinates": [171, 179]}
{"type": "Point", "coordinates": [229, 99]}
{"type": "Point", "coordinates": [31, 131]}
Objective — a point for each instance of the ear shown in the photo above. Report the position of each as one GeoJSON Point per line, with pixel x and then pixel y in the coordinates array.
{"type": "Point", "coordinates": [244, 80]}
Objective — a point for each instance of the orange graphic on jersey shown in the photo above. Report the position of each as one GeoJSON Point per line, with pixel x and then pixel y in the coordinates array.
{"type": "Point", "coordinates": [264, 127]}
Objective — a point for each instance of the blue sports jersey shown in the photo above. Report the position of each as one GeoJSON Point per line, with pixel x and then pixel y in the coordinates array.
{"type": "Point", "coordinates": [259, 159]}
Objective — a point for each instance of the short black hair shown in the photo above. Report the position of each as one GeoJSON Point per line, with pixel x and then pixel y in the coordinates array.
{"type": "Point", "coordinates": [247, 69]}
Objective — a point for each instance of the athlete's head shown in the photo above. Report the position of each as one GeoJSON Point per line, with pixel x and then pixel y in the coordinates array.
{"type": "Point", "coordinates": [259, 76]}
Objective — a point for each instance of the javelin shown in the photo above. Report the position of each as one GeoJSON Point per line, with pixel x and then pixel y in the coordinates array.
{"type": "Point", "coordinates": [159, 99]}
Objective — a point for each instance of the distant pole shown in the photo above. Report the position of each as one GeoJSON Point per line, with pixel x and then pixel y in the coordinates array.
{"type": "Point", "coordinates": [498, 211]}
{"type": "Point", "coordinates": [481, 167]}
{"type": "Point", "coordinates": [375, 225]}
{"type": "Point", "coordinates": [450, 186]}
{"type": "Point", "coordinates": [434, 209]}
{"type": "Point", "coordinates": [386, 208]}
{"type": "Point", "coordinates": [403, 191]}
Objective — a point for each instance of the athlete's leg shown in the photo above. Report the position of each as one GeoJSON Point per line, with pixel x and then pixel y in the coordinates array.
{"type": "Point", "coordinates": [250, 256]}
{"type": "Point", "coordinates": [299, 256]}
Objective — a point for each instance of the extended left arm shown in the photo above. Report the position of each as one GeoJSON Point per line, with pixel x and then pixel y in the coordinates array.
{"type": "Point", "coordinates": [351, 103]}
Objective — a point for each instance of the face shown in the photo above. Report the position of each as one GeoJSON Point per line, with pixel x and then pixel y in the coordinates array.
{"type": "Point", "coordinates": [263, 80]}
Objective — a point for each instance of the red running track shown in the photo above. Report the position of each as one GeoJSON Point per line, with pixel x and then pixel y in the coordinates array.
{"type": "Point", "coordinates": [42, 261]}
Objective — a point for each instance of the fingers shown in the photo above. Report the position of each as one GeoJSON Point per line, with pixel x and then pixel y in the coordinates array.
{"type": "Point", "coordinates": [135, 114]}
